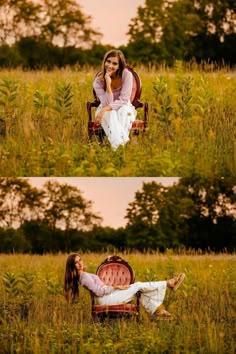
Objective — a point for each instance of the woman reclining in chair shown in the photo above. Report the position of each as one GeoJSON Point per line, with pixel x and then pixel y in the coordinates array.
{"type": "Point", "coordinates": [152, 293]}
{"type": "Point", "coordinates": [115, 88]}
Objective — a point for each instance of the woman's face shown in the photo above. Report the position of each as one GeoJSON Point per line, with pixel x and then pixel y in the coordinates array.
{"type": "Point", "coordinates": [111, 65]}
{"type": "Point", "coordinates": [79, 264]}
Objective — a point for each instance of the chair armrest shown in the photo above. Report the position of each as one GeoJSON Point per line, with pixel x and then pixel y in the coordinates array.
{"type": "Point", "coordinates": [137, 104]}
{"type": "Point", "coordinates": [89, 106]}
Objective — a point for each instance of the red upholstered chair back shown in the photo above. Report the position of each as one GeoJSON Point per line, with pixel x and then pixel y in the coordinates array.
{"type": "Point", "coordinates": [115, 271]}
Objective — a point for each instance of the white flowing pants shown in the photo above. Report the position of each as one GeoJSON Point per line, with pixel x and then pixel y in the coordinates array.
{"type": "Point", "coordinates": [152, 295]}
{"type": "Point", "coordinates": [117, 124]}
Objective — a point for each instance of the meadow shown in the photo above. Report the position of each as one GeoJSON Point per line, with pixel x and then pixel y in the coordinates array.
{"type": "Point", "coordinates": [35, 318]}
{"type": "Point", "coordinates": [192, 124]}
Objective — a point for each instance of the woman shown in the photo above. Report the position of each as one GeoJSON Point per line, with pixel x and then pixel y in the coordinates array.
{"type": "Point", "coordinates": [152, 293]}
{"type": "Point", "coordinates": [115, 87]}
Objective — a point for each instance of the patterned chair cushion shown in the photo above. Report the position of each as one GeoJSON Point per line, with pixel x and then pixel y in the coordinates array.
{"type": "Point", "coordinates": [115, 271]}
{"type": "Point", "coordinates": [115, 274]}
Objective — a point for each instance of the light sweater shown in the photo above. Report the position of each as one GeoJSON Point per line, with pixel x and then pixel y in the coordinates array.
{"type": "Point", "coordinates": [118, 97]}
{"type": "Point", "coordinates": [93, 283]}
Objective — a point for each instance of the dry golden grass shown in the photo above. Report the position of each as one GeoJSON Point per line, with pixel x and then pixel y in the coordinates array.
{"type": "Point", "coordinates": [204, 306]}
{"type": "Point", "coordinates": [193, 134]}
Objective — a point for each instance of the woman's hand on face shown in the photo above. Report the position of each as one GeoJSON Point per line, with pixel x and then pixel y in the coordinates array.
{"type": "Point", "coordinates": [108, 78]}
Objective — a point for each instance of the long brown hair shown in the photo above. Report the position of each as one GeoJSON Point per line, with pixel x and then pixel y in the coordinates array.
{"type": "Point", "coordinates": [71, 279]}
{"type": "Point", "coordinates": [122, 64]}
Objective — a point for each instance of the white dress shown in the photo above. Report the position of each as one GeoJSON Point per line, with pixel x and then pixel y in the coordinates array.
{"type": "Point", "coordinates": [117, 122]}
{"type": "Point", "coordinates": [152, 295]}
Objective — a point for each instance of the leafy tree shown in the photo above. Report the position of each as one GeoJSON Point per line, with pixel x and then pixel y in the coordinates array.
{"type": "Point", "coordinates": [42, 238]}
{"type": "Point", "coordinates": [143, 237]}
{"type": "Point", "coordinates": [67, 209]}
{"type": "Point", "coordinates": [65, 24]}
{"type": "Point", "coordinates": [191, 213]}
{"type": "Point", "coordinates": [212, 197]}
{"type": "Point", "coordinates": [148, 22]}
{"type": "Point", "coordinates": [147, 204]}
{"type": "Point", "coordinates": [58, 22]}
{"type": "Point", "coordinates": [19, 201]}
{"type": "Point", "coordinates": [212, 221]}
{"type": "Point", "coordinates": [217, 17]}
{"type": "Point", "coordinates": [13, 241]}
{"type": "Point", "coordinates": [177, 29]}
{"type": "Point", "coordinates": [18, 18]}
{"type": "Point", "coordinates": [10, 57]}
{"type": "Point", "coordinates": [37, 53]}
{"type": "Point", "coordinates": [156, 217]}
{"type": "Point", "coordinates": [164, 27]}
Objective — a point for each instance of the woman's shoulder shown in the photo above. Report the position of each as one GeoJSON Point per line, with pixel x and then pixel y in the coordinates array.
{"type": "Point", "coordinates": [86, 277]}
{"type": "Point", "coordinates": [98, 78]}
{"type": "Point", "coordinates": [127, 73]}
{"type": "Point", "coordinates": [87, 274]}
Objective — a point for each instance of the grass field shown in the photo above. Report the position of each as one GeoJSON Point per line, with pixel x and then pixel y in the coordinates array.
{"type": "Point", "coordinates": [192, 125]}
{"type": "Point", "coordinates": [36, 319]}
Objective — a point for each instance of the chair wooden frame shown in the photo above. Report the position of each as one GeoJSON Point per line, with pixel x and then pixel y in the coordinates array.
{"type": "Point", "coordinates": [137, 126]}
{"type": "Point", "coordinates": [114, 270]}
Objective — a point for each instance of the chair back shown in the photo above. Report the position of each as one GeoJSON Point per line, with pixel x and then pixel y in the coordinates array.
{"type": "Point", "coordinates": [137, 85]}
{"type": "Point", "coordinates": [115, 271]}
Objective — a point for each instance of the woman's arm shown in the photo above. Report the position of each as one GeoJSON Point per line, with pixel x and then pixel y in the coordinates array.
{"type": "Point", "coordinates": [94, 284]}
{"type": "Point", "coordinates": [105, 97]}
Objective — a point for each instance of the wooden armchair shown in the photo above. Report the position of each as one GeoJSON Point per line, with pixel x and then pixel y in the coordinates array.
{"type": "Point", "coordinates": [115, 271]}
{"type": "Point", "coordinates": [139, 125]}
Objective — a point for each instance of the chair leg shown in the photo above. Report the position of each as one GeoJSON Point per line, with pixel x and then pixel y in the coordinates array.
{"type": "Point", "coordinates": [136, 132]}
{"type": "Point", "coordinates": [101, 135]}
{"type": "Point", "coordinates": [145, 115]}
{"type": "Point", "coordinates": [93, 317]}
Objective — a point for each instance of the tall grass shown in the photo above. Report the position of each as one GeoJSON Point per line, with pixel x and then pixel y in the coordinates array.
{"type": "Point", "coordinates": [191, 125]}
{"type": "Point", "coordinates": [36, 319]}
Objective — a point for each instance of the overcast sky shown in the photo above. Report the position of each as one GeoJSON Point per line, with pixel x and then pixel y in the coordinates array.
{"type": "Point", "coordinates": [111, 18]}
{"type": "Point", "coordinates": [110, 195]}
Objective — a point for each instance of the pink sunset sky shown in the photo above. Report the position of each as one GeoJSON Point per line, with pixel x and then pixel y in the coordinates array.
{"type": "Point", "coordinates": [110, 195]}
{"type": "Point", "coordinates": [111, 18]}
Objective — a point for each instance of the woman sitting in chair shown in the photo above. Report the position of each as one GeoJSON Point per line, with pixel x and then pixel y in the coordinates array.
{"type": "Point", "coordinates": [152, 293]}
{"type": "Point", "coordinates": [115, 88]}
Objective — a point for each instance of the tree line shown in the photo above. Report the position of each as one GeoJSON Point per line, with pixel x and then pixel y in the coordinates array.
{"type": "Point", "coordinates": [53, 33]}
{"type": "Point", "coordinates": [194, 213]}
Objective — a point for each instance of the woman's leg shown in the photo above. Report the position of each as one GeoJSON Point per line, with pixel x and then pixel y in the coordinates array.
{"type": "Point", "coordinates": [112, 128]}
{"type": "Point", "coordinates": [117, 124]}
{"type": "Point", "coordinates": [152, 295]}
{"type": "Point", "coordinates": [173, 284]}
{"type": "Point", "coordinates": [126, 115]}
{"type": "Point", "coordinates": [118, 296]}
